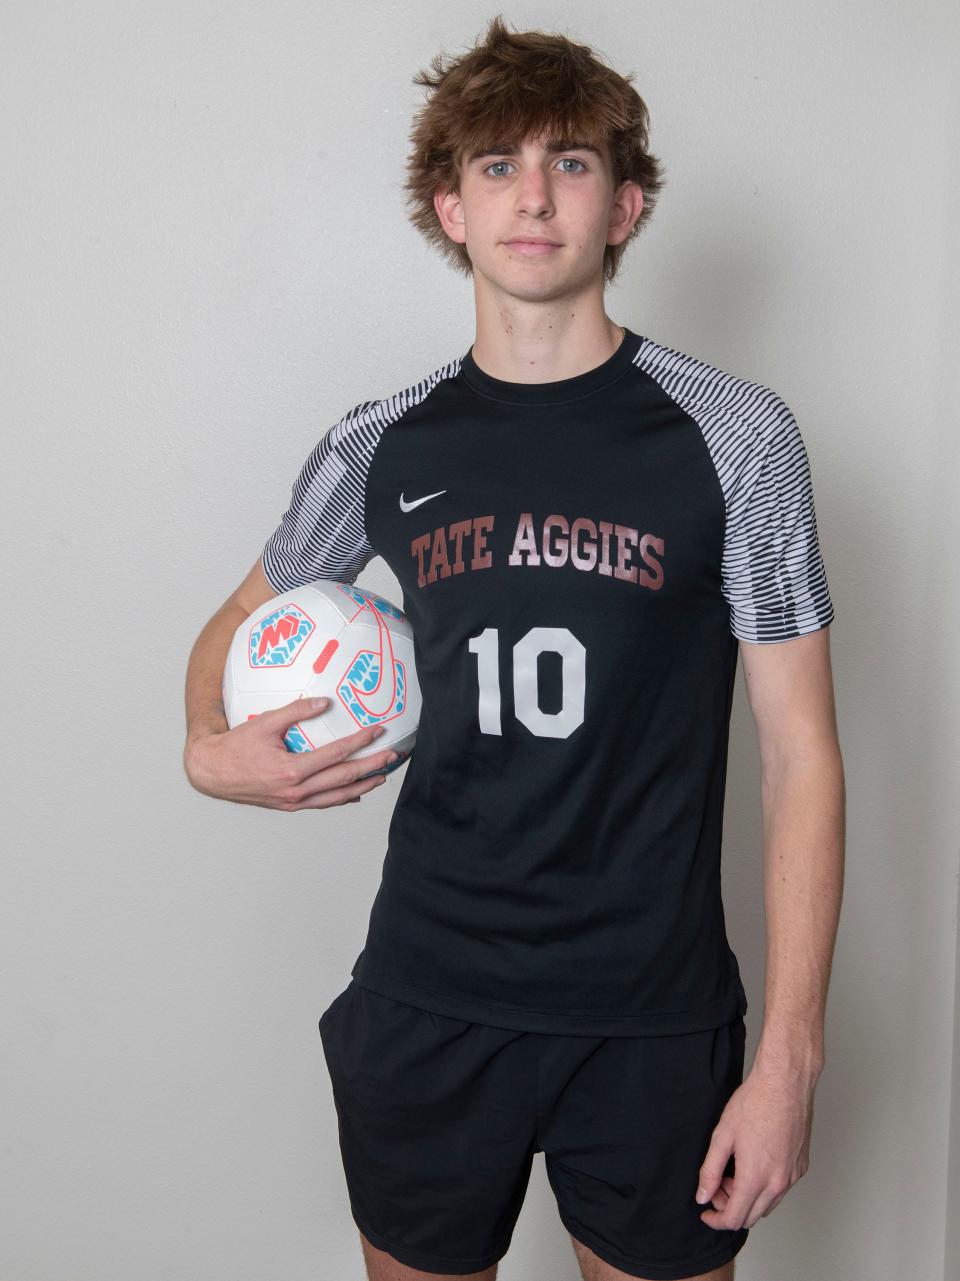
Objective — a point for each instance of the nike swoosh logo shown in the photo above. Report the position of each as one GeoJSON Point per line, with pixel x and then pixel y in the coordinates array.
{"type": "Point", "coordinates": [408, 507]}
{"type": "Point", "coordinates": [385, 689]}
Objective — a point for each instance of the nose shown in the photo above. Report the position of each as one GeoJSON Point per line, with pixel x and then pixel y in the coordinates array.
{"type": "Point", "coordinates": [533, 193]}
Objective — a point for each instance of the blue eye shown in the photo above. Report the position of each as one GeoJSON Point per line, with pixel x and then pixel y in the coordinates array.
{"type": "Point", "coordinates": [565, 160]}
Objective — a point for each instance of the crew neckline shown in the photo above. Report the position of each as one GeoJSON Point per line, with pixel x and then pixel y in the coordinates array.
{"type": "Point", "coordinates": [561, 389]}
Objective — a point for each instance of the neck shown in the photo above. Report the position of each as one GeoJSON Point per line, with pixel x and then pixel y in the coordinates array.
{"type": "Point", "coordinates": [538, 344]}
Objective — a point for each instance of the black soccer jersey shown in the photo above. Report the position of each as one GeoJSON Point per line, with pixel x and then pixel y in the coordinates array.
{"type": "Point", "coordinates": [578, 560]}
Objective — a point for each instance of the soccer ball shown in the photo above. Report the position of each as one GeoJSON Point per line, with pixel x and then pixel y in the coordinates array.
{"type": "Point", "coordinates": [328, 639]}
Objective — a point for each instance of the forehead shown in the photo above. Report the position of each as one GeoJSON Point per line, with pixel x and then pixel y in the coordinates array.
{"type": "Point", "coordinates": [550, 147]}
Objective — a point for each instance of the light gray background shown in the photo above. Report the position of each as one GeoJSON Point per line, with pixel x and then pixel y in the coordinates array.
{"type": "Point", "coordinates": [205, 263]}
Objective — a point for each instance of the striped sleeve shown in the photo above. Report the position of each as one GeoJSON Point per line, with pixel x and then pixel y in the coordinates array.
{"type": "Point", "coordinates": [322, 533]}
{"type": "Point", "coordinates": [773, 573]}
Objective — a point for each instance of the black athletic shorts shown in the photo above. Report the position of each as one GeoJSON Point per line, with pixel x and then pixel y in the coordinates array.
{"type": "Point", "coordinates": [439, 1120]}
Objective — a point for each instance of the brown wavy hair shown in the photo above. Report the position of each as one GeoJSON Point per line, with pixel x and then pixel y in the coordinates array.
{"type": "Point", "coordinates": [510, 86]}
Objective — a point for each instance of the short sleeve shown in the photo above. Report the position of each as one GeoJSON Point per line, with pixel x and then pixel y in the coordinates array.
{"type": "Point", "coordinates": [773, 575]}
{"type": "Point", "coordinates": [322, 533]}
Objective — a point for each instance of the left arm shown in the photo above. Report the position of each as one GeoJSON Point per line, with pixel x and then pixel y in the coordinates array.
{"type": "Point", "coordinates": [767, 1121]}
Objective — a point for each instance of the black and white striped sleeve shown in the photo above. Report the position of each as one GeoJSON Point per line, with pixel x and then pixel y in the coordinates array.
{"type": "Point", "coordinates": [773, 573]}
{"type": "Point", "coordinates": [322, 533]}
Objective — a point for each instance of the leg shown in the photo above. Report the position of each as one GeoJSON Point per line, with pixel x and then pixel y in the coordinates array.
{"type": "Point", "coordinates": [436, 1123]}
{"type": "Point", "coordinates": [593, 1268]}
{"type": "Point", "coordinates": [384, 1267]}
{"type": "Point", "coordinates": [623, 1145]}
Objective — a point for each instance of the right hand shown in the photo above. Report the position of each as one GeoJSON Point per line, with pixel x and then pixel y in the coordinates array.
{"type": "Point", "coordinates": [251, 764]}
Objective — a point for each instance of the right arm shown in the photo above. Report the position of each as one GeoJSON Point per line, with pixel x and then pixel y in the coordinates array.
{"type": "Point", "coordinates": [204, 703]}
{"type": "Point", "coordinates": [250, 764]}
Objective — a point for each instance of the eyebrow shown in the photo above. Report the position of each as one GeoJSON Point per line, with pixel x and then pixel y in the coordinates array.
{"type": "Point", "coordinates": [511, 149]}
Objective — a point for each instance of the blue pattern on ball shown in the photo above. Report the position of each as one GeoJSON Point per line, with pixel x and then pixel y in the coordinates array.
{"type": "Point", "coordinates": [275, 639]}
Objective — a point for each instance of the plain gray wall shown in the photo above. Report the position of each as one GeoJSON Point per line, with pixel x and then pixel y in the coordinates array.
{"type": "Point", "coordinates": [205, 263]}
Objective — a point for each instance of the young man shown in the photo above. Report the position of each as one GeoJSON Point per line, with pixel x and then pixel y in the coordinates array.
{"type": "Point", "coordinates": [586, 525]}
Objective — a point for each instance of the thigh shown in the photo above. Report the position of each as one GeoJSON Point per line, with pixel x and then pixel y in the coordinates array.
{"type": "Point", "coordinates": [593, 1268]}
{"type": "Point", "coordinates": [383, 1266]}
{"type": "Point", "coordinates": [436, 1121]}
{"type": "Point", "coordinates": [623, 1143]}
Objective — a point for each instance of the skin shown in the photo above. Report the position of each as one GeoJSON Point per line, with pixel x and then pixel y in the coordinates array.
{"type": "Point", "coordinates": [767, 1121]}
{"type": "Point", "coordinates": [382, 1266]}
{"type": "Point", "coordinates": [539, 319]}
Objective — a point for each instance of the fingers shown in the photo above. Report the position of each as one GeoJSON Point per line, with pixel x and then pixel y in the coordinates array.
{"type": "Point", "coordinates": [728, 1194]}
{"type": "Point", "coordinates": [353, 790]}
{"type": "Point", "coordinates": [336, 784]}
{"type": "Point", "coordinates": [338, 762]}
{"type": "Point", "coordinates": [734, 1215]}
{"type": "Point", "coordinates": [714, 1164]}
{"type": "Point", "coordinates": [722, 1195]}
{"type": "Point", "coordinates": [281, 718]}
{"type": "Point", "coordinates": [772, 1206]}
{"type": "Point", "coordinates": [331, 774]}
{"type": "Point", "coordinates": [741, 1203]}
{"type": "Point", "coordinates": [339, 750]}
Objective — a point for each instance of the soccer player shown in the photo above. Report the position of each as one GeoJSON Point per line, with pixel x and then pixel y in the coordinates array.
{"type": "Point", "coordinates": [589, 528]}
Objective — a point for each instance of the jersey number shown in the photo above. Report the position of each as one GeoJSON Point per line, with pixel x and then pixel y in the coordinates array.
{"type": "Point", "coordinates": [526, 695]}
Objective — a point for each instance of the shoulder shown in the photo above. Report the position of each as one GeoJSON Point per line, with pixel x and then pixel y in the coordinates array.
{"type": "Point", "coordinates": [728, 407]}
{"type": "Point", "coordinates": [368, 418]}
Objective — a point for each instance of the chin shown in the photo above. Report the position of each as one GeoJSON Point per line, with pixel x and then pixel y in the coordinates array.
{"type": "Point", "coordinates": [520, 285]}
{"type": "Point", "coordinates": [521, 281]}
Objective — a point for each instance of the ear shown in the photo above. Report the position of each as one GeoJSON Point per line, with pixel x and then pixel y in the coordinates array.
{"type": "Point", "coordinates": [624, 211]}
{"type": "Point", "coordinates": [449, 207]}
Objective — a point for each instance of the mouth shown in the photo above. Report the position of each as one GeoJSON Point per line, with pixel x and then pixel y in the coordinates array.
{"type": "Point", "coordinates": [532, 248]}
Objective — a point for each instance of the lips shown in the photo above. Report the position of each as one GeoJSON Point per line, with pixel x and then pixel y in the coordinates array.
{"type": "Point", "coordinates": [532, 248]}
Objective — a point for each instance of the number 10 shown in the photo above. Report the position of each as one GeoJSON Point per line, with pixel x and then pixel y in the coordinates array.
{"type": "Point", "coordinates": [526, 699]}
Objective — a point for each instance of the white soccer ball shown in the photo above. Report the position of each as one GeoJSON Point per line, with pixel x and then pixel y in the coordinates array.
{"type": "Point", "coordinates": [333, 639]}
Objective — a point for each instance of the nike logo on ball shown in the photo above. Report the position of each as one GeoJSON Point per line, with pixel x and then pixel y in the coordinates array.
{"type": "Point", "coordinates": [408, 507]}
